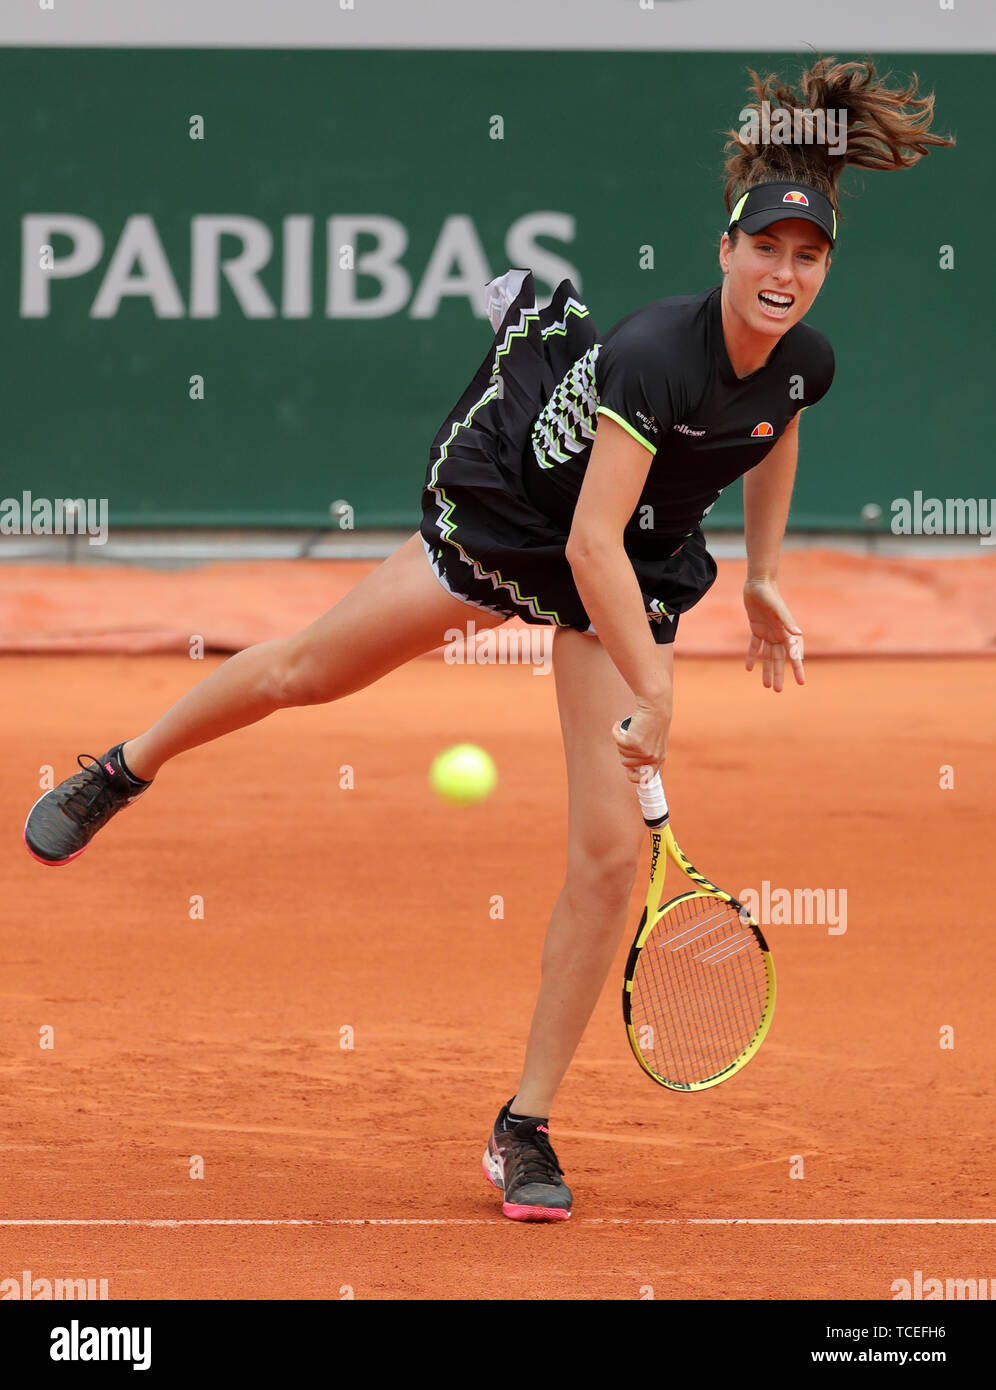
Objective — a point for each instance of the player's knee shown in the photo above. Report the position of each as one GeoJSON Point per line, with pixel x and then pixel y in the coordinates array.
{"type": "Point", "coordinates": [294, 678]}
{"type": "Point", "coordinates": [605, 872]}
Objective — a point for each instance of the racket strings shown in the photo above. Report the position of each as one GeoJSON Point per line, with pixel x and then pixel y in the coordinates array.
{"type": "Point", "coordinates": [700, 991]}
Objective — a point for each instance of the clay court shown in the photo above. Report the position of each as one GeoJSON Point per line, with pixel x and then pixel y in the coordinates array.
{"type": "Point", "coordinates": [333, 1038]}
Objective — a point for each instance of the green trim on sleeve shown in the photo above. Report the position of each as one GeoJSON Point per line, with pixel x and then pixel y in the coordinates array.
{"type": "Point", "coordinates": [603, 410]}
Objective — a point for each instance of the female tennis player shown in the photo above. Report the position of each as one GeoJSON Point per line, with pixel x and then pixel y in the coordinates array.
{"type": "Point", "coordinates": [567, 487]}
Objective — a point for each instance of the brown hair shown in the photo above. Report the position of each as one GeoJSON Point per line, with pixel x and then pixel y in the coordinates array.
{"type": "Point", "coordinates": [886, 128]}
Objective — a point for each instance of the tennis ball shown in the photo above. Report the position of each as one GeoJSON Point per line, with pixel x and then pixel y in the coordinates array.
{"type": "Point", "coordinates": [463, 774]}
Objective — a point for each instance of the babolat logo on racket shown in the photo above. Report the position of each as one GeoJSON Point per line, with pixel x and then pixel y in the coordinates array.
{"type": "Point", "coordinates": [655, 849]}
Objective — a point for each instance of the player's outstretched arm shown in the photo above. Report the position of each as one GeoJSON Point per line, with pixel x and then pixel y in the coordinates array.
{"type": "Point", "coordinates": [775, 635]}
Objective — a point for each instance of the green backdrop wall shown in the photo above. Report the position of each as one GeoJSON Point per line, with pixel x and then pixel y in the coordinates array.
{"type": "Point", "coordinates": [309, 398]}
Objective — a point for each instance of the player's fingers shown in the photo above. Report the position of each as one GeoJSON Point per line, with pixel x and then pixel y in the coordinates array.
{"type": "Point", "coordinates": [778, 667]}
{"type": "Point", "coordinates": [625, 740]}
{"type": "Point", "coordinates": [632, 756]}
{"type": "Point", "coordinates": [636, 763]}
{"type": "Point", "coordinates": [642, 746]}
{"type": "Point", "coordinates": [796, 658]}
{"type": "Point", "coordinates": [637, 769]}
{"type": "Point", "coordinates": [766, 665]}
{"type": "Point", "coordinates": [752, 650]}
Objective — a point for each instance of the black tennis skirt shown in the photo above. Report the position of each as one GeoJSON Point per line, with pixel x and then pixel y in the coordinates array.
{"type": "Point", "coordinates": [486, 541]}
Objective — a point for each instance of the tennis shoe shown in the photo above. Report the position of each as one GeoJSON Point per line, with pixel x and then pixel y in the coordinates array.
{"type": "Point", "coordinates": [521, 1163]}
{"type": "Point", "coordinates": [62, 823]}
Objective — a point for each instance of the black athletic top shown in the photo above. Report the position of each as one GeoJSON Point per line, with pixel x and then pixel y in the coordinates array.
{"type": "Point", "coordinates": [664, 375]}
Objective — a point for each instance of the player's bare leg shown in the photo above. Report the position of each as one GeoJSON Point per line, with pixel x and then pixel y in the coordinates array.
{"type": "Point", "coordinates": [606, 836]}
{"type": "Point", "coordinates": [397, 612]}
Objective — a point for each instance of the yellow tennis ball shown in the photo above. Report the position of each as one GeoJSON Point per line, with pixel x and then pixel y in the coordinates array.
{"type": "Point", "coordinates": [463, 774]}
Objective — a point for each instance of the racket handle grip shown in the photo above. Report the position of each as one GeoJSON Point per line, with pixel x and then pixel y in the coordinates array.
{"type": "Point", "coordinates": [653, 802]}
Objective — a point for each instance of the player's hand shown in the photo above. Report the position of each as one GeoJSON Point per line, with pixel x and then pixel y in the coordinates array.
{"type": "Point", "coordinates": [644, 743]}
{"type": "Point", "coordinates": [775, 635]}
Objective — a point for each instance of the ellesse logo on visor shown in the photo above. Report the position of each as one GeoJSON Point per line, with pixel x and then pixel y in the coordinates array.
{"type": "Point", "coordinates": [794, 197]}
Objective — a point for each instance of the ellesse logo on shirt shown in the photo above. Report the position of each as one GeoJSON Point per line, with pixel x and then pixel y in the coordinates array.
{"type": "Point", "coordinates": [689, 430]}
{"type": "Point", "coordinates": [762, 431]}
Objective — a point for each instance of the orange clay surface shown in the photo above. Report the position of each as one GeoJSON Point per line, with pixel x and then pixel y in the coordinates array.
{"type": "Point", "coordinates": [363, 916]}
{"type": "Point", "coordinates": [848, 604]}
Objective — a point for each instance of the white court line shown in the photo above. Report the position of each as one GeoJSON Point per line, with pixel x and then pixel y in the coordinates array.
{"type": "Point", "coordinates": [502, 1221]}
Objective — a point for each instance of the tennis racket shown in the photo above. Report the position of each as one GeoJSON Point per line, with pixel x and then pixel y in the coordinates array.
{"type": "Point", "coordinates": [699, 992]}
